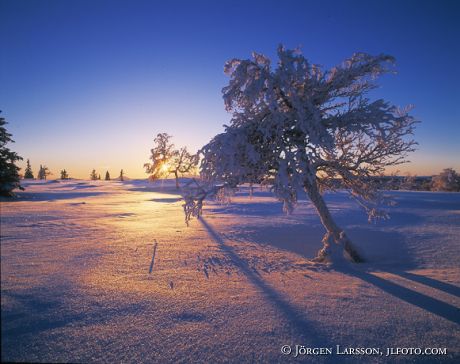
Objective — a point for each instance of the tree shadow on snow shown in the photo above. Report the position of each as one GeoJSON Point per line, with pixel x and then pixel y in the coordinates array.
{"type": "Point", "coordinates": [301, 239]}
{"type": "Point", "coordinates": [166, 200]}
{"type": "Point", "coordinates": [160, 186]}
{"type": "Point", "coordinates": [303, 327]}
{"type": "Point", "coordinates": [37, 313]}
{"type": "Point", "coordinates": [430, 282]}
{"type": "Point", "coordinates": [249, 208]}
{"type": "Point", "coordinates": [52, 196]}
{"type": "Point", "coordinates": [380, 248]}
{"type": "Point", "coordinates": [395, 219]}
{"type": "Point", "coordinates": [423, 301]}
{"type": "Point", "coordinates": [430, 200]}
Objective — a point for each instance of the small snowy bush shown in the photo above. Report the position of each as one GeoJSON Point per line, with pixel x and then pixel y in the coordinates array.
{"type": "Point", "coordinates": [447, 180]}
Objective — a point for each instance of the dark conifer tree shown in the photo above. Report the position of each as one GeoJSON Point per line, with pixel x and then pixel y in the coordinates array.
{"type": "Point", "coordinates": [9, 176]}
{"type": "Point", "coordinates": [28, 171]}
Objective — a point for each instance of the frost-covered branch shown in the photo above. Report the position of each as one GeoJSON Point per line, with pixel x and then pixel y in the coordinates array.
{"type": "Point", "coordinates": [194, 193]}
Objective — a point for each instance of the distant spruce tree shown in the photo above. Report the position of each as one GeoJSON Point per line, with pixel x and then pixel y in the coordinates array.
{"type": "Point", "coordinates": [107, 176]}
{"type": "Point", "coordinates": [121, 175]}
{"type": "Point", "coordinates": [43, 172]}
{"type": "Point", "coordinates": [93, 175]}
{"type": "Point", "coordinates": [9, 176]}
{"type": "Point", "coordinates": [28, 174]}
{"type": "Point", "coordinates": [64, 174]}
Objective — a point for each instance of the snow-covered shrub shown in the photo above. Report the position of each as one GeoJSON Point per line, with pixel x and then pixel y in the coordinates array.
{"type": "Point", "coordinates": [447, 180]}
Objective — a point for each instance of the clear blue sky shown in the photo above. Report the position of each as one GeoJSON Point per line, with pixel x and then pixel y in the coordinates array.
{"type": "Point", "coordinates": [87, 84]}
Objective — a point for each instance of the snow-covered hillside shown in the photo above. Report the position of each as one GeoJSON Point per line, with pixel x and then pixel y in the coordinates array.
{"type": "Point", "coordinates": [107, 271]}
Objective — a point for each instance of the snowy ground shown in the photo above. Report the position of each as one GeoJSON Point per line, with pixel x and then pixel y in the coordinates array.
{"type": "Point", "coordinates": [78, 283]}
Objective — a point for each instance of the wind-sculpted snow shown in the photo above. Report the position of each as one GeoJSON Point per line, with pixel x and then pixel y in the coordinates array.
{"type": "Point", "coordinates": [107, 271]}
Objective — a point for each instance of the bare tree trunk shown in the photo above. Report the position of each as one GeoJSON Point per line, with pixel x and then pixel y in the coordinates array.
{"type": "Point", "coordinates": [335, 242]}
{"type": "Point", "coordinates": [177, 179]}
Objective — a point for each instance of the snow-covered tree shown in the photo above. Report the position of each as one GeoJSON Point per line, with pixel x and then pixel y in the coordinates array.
{"type": "Point", "coordinates": [303, 128]}
{"type": "Point", "coordinates": [93, 175]}
{"type": "Point", "coordinates": [64, 174]}
{"type": "Point", "coordinates": [107, 176]}
{"type": "Point", "coordinates": [28, 174]}
{"type": "Point", "coordinates": [161, 154]}
{"type": "Point", "coordinates": [43, 172]}
{"type": "Point", "coordinates": [182, 162]}
{"type": "Point", "coordinates": [121, 175]}
{"type": "Point", "coordinates": [9, 176]}
{"type": "Point", "coordinates": [447, 180]}
{"type": "Point", "coordinates": [167, 160]}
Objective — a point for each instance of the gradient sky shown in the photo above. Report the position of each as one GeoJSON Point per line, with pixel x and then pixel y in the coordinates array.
{"type": "Point", "coordinates": [88, 84]}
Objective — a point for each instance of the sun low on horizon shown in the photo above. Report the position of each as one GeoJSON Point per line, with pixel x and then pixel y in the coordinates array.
{"type": "Point", "coordinates": [82, 92]}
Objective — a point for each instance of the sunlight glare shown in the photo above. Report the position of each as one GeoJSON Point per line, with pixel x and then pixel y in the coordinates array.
{"type": "Point", "coordinates": [165, 168]}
